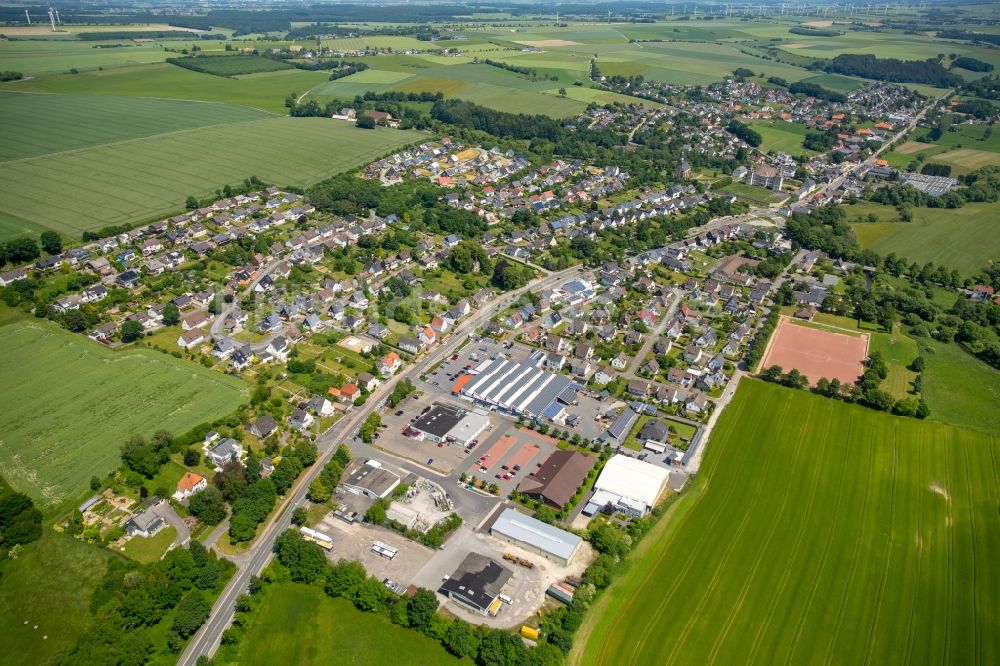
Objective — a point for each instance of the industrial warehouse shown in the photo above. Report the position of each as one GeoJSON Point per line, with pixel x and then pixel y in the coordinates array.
{"type": "Point", "coordinates": [443, 423]}
{"type": "Point", "coordinates": [627, 486]}
{"type": "Point", "coordinates": [532, 534]}
{"type": "Point", "coordinates": [477, 583]}
{"type": "Point", "coordinates": [519, 388]}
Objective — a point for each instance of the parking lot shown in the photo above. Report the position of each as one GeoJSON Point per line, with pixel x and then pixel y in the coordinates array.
{"type": "Point", "coordinates": [509, 456]}
{"type": "Point", "coordinates": [354, 542]}
{"type": "Point", "coordinates": [444, 457]}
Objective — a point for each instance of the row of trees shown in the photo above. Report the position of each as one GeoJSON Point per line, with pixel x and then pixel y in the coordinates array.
{"type": "Point", "coordinates": [20, 522]}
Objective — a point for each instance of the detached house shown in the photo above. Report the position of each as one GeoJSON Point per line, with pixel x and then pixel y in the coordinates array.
{"type": "Point", "coordinates": [389, 364]}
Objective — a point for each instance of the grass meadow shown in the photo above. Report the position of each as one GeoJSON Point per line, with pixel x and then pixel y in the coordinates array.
{"type": "Point", "coordinates": [299, 624]}
{"type": "Point", "coordinates": [136, 180]}
{"type": "Point", "coordinates": [782, 136]}
{"type": "Point", "coordinates": [824, 533]}
{"type": "Point", "coordinates": [959, 388]}
{"type": "Point", "coordinates": [41, 124]}
{"type": "Point", "coordinates": [67, 404]}
{"type": "Point", "coordinates": [49, 585]}
{"type": "Point", "coordinates": [964, 238]}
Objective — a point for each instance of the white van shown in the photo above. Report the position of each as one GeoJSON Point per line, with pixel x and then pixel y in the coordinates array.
{"type": "Point", "coordinates": [504, 598]}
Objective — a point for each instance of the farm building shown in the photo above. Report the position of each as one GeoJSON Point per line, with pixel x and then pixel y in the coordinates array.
{"type": "Point", "coordinates": [476, 584]}
{"type": "Point", "coordinates": [538, 537]}
{"type": "Point", "coordinates": [447, 423]}
{"type": "Point", "coordinates": [519, 388]}
{"type": "Point", "coordinates": [628, 486]}
{"type": "Point", "coordinates": [371, 480]}
{"type": "Point", "coordinates": [558, 478]}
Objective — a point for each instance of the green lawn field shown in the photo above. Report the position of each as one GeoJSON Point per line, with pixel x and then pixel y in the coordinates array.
{"type": "Point", "coordinates": [781, 136]}
{"type": "Point", "coordinates": [145, 550]}
{"type": "Point", "coordinates": [299, 624]}
{"type": "Point", "coordinates": [67, 404]}
{"type": "Point", "coordinates": [41, 124]}
{"type": "Point", "coordinates": [50, 586]}
{"type": "Point", "coordinates": [959, 388]}
{"type": "Point", "coordinates": [962, 238]}
{"type": "Point", "coordinates": [136, 180]}
{"type": "Point", "coordinates": [817, 532]}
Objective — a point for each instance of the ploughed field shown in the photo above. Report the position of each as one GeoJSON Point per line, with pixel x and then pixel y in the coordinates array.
{"type": "Point", "coordinates": [817, 532]}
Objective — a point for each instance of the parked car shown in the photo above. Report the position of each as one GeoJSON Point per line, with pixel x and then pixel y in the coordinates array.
{"type": "Point", "coordinates": [430, 461]}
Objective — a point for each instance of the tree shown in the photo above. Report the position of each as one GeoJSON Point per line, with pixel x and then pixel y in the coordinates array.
{"type": "Point", "coordinates": [546, 514]}
{"type": "Point", "coordinates": [95, 483]}
{"type": "Point", "coordinates": [918, 364]}
{"type": "Point", "coordinates": [192, 611]}
{"type": "Point", "coordinates": [369, 595]}
{"type": "Point", "coordinates": [365, 122]}
{"type": "Point", "coordinates": [421, 608]}
{"type": "Point", "coordinates": [171, 314]}
{"type": "Point", "coordinates": [51, 242]}
{"type": "Point", "coordinates": [305, 561]}
{"type": "Point", "coordinates": [299, 515]}
{"type": "Point", "coordinates": [343, 577]}
{"type": "Point", "coordinates": [192, 457]}
{"type": "Point", "coordinates": [208, 505]}
{"type": "Point", "coordinates": [377, 512]}
{"type": "Point", "coordinates": [191, 203]}
{"type": "Point", "coordinates": [131, 331]}
{"type": "Point", "coordinates": [231, 481]}
{"type": "Point", "coordinates": [370, 426]}
{"type": "Point", "coordinates": [460, 640]}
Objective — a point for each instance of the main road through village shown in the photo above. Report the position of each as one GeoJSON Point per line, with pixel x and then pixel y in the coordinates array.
{"type": "Point", "coordinates": [206, 641]}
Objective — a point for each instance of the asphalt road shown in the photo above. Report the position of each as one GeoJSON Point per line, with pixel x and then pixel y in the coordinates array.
{"type": "Point", "coordinates": [206, 641]}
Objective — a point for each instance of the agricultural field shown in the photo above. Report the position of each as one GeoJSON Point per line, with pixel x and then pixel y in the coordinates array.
{"type": "Point", "coordinates": [234, 65]}
{"type": "Point", "coordinates": [781, 136]}
{"type": "Point", "coordinates": [299, 624]}
{"type": "Point", "coordinates": [829, 533]}
{"type": "Point", "coordinates": [963, 239]}
{"type": "Point", "coordinates": [67, 404]}
{"type": "Point", "coordinates": [41, 124]}
{"type": "Point", "coordinates": [887, 44]}
{"type": "Point", "coordinates": [964, 147]}
{"type": "Point", "coordinates": [49, 585]}
{"type": "Point", "coordinates": [125, 182]}
{"type": "Point", "coordinates": [265, 91]}
{"type": "Point", "coordinates": [837, 82]}
{"type": "Point", "coordinates": [36, 58]}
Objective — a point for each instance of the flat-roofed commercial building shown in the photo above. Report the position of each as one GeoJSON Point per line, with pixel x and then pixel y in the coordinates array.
{"type": "Point", "coordinates": [628, 486]}
{"type": "Point", "coordinates": [519, 388]}
{"type": "Point", "coordinates": [371, 480]}
{"type": "Point", "coordinates": [538, 537]}
{"type": "Point", "coordinates": [449, 423]}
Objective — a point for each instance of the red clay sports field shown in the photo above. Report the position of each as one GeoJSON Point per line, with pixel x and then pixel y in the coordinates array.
{"type": "Point", "coordinates": [817, 353]}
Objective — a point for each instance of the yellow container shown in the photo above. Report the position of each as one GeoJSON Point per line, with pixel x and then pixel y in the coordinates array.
{"type": "Point", "coordinates": [529, 632]}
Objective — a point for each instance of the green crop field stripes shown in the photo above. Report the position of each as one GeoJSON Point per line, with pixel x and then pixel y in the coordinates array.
{"type": "Point", "coordinates": [134, 180]}
{"type": "Point", "coordinates": [67, 404]}
{"type": "Point", "coordinates": [41, 124]}
{"type": "Point", "coordinates": [816, 532]}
